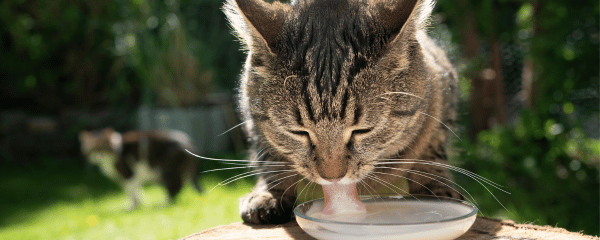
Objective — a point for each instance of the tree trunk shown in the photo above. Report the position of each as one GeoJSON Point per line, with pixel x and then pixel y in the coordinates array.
{"type": "Point", "coordinates": [529, 68]}
{"type": "Point", "coordinates": [487, 91]}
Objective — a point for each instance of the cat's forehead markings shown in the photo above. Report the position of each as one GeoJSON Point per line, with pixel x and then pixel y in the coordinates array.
{"type": "Point", "coordinates": [328, 43]}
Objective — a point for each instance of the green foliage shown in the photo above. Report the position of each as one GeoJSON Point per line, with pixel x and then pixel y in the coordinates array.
{"type": "Point", "coordinates": [58, 53]}
{"type": "Point", "coordinates": [154, 44]}
{"type": "Point", "coordinates": [565, 50]}
{"type": "Point", "coordinates": [216, 46]}
{"type": "Point", "coordinates": [93, 54]}
{"type": "Point", "coordinates": [545, 159]}
{"type": "Point", "coordinates": [551, 172]}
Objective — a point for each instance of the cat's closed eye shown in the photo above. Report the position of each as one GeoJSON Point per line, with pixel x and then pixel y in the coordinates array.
{"type": "Point", "coordinates": [358, 134]}
{"type": "Point", "coordinates": [300, 133]}
{"type": "Point", "coordinates": [361, 131]}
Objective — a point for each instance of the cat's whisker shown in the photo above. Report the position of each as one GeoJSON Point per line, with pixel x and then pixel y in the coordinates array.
{"type": "Point", "coordinates": [361, 182]}
{"type": "Point", "coordinates": [300, 194]}
{"type": "Point", "coordinates": [229, 168]}
{"type": "Point", "coordinates": [260, 154]}
{"type": "Point", "coordinates": [238, 164]}
{"type": "Point", "coordinates": [412, 181]}
{"type": "Point", "coordinates": [404, 93]}
{"type": "Point", "coordinates": [283, 194]}
{"type": "Point", "coordinates": [386, 184]}
{"type": "Point", "coordinates": [378, 195]}
{"type": "Point", "coordinates": [238, 175]}
{"type": "Point", "coordinates": [275, 175]}
{"type": "Point", "coordinates": [221, 183]}
{"type": "Point", "coordinates": [249, 163]}
{"type": "Point", "coordinates": [234, 160]}
{"type": "Point", "coordinates": [253, 174]}
{"type": "Point", "coordinates": [420, 173]}
{"type": "Point", "coordinates": [281, 180]}
{"type": "Point", "coordinates": [312, 195]}
{"type": "Point", "coordinates": [479, 183]}
{"type": "Point", "coordinates": [232, 128]}
{"type": "Point", "coordinates": [444, 178]}
{"type": "Point", "coordinates": [455, 168]}
{"type": "Point", "coordinates": [441, 123]}
{"type": "Point", "coordinates": [412, 149]}
{"type": "Point", "coordinates": [374, 178]}
{"type": "Point", "coordinates": [367, 186]}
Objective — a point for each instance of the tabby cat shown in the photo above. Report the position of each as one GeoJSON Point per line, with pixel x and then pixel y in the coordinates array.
{"type": "Point", "coordinates": [136, 157]}
{"type": "Point", "coordinates": [342, 91]}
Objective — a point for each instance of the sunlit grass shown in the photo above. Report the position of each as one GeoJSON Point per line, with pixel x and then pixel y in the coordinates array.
{"type": "Point", "coordinates": [95, 208]}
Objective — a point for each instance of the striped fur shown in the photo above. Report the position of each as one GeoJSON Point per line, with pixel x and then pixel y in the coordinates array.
{"type": "Point", "coordinates": [334, 86]}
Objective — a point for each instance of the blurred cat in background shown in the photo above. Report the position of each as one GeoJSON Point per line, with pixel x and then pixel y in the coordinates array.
{"type": "Point", "coordinates": [136, 157]}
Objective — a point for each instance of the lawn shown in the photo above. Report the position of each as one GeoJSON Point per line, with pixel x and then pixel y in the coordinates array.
{"type": "Point", "coordinates": [67, 200]}
{"type": "Point", "coordinates": [70, 201]}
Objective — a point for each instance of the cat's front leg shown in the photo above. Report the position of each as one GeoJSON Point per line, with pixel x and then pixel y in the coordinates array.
{"type": "Point", "coordinates": [132, 189]}
{"type": "Point", "coordinates": [272, 200]}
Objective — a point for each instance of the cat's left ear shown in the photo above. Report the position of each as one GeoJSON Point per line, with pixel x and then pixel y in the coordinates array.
{"type": "Point", "coordinates": [109, 131]}
{"type": "Point", "coordinates": [257, 22]}
{"type": "Point", "coordinates": [402, 16]}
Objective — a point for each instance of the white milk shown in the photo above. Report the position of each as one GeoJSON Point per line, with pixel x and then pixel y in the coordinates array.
{"type": "Point", "coordinates": [396, 212]}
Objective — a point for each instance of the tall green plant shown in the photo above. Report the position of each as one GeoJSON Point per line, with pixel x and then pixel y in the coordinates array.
{"type": "Point", "coordinates": [57, 54]}
{"type": "Point", "coordinates": [545, 158]}
{"type": "Point", "coordinates": [155, 44]}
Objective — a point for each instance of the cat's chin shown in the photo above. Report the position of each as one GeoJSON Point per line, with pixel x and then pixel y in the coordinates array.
{"type": "Point", "coordinates": [341, 199]}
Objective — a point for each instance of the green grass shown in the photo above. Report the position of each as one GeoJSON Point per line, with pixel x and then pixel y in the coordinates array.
{"type": "Point", "coordinates": [66, 201]}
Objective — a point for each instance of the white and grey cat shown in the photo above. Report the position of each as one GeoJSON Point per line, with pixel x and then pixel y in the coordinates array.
{"type": "Point", "coordinates": [136, 157]}
{"type": "Point", "coordinates": [345, 91]}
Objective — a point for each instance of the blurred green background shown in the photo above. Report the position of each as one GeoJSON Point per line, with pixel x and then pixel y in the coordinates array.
{"type": "Point", "coordinates": [529, 117]}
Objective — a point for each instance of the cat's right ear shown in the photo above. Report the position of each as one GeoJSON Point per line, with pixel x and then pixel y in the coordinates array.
{"type": "Point", "coordinates": [398, 16]}
{"type": "Point", "coordinates": [256, 22]}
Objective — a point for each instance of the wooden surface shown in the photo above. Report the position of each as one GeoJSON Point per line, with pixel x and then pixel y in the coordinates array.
{"type": "Point", "coordinates": [482, 229]}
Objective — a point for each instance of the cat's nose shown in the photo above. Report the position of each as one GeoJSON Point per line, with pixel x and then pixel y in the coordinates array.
{"type": "Point", "coordinates": [330, 169]}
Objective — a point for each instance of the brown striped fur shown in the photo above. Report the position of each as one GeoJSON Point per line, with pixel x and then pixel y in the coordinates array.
{"type": "Point", "coordinates": [333, 87]}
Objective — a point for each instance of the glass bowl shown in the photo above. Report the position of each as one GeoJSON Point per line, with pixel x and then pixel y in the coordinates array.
{"type": "Point", "coordinates": [391, 217]}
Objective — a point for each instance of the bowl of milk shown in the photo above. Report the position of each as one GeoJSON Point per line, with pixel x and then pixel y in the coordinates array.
{"type": "Point", "coordinates": [390, 217]}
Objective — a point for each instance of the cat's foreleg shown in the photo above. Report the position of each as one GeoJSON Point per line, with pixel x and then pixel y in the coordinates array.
{"type": "Point", "coordinates": [132, 189]}
{"type": "Point", "coordinates": [272, 200]}
{"type": "Point", "coordinates": [173, 185]}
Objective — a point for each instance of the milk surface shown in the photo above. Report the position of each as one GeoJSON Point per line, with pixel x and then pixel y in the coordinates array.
{"type": "Point", "coordinates": [396, 212]}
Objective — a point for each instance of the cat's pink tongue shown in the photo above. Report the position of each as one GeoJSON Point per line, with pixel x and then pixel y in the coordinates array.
{"type": "Point", "coordinates": [342, 199]}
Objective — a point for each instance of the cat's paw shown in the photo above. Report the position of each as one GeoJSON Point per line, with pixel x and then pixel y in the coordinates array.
{"type": "Point", "coordinates": [266, 208]}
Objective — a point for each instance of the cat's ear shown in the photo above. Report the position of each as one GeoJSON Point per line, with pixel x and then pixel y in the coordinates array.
{"type": "Point", "coordinates": [109, 131]}
{"type": "Point", "coordinates": [398, 16]}
{"type": "Point", "coordinates": [257, 22]}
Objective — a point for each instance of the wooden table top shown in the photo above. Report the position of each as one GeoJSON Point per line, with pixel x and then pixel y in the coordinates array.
{"type": "Point", "coordinates": [482, 229]}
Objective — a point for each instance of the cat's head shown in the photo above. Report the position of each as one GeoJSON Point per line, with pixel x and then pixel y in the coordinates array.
{"type": "Point", "coordinates": [332, 85]}
{"type": "Point", "coordinates": [100, 145]}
